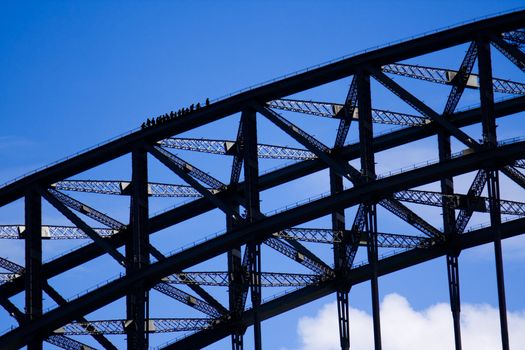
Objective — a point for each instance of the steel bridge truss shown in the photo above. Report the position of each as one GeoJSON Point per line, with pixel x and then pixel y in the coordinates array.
{"type": "Point", "coordinates": [251, 234]}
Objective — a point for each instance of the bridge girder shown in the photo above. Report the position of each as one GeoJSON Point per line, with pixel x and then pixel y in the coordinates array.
{"type": "Point", "coordinates": [250, 229]}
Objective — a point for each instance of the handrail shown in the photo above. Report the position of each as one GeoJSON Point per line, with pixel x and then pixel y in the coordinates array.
{"type": "Point", "coordinates": [457, 25]}
{"type": "Point", "coordinates": [84, 150]}
{"type": "Point", "coordinates": [372, 48]}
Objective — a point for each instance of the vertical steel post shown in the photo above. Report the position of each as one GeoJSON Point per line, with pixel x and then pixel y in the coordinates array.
{"type": "Point", "coordinates": [372, 250]}
{"type": "Point", "coordinates": [137, 251]}
{"type": "Point", "coordinates": [238, 285]}
{"type": "Point", "coordinates": [237, 341]}
{"type": "Point", "coordinates": [449, 224]}
{"type": "Point", "coordinates": [236, 282]}
{"type": "Point", "coordinates": [255, 288]}
{"type": "Point", "coordinates": [344, 323]}
{"type": "Point", "coordinates": [490, 141]}
{"type": "Point", "coordinates": [368, 174]}
{"type": "Point", "coordinates": [340, 263]}
{"type": "Point", "coordinates": [453, 288]}
{"type": "Point", "coordinates": [251, 192]}
{"type": "Point", "coordinates": [33, 262]}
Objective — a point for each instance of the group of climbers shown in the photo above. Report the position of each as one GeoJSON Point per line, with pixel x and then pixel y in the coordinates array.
{"type": "Point", "coordinates": [168, 116]}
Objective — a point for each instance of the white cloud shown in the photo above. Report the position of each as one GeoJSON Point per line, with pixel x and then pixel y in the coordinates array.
{"type": "Point", "coordinates": [403, 328]}
{"type": "Point", "coordinates": [321, 332]}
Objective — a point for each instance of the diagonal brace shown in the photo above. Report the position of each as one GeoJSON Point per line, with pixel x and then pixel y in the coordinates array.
{"type": "Point", "coordinates": [511, 52]}
{"type": "Point", "coordinates": [164, 157]}
{"type": "Point", "coordinates": [313, 145]}
{"type": "Point", "coordinates": [196, 288]}
{"type": "Point", "coordinates": [85, 228]}
{"type": "Point", "coordinates": [423, 108]}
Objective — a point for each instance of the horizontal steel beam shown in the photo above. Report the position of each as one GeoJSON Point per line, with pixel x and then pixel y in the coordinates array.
{"type": "Point", "coordinates": [333, 110]}
{"type": "Point", "coordinates": [153, 325]}
{"type": "Point", "coordinates": [231, 148]}
{"type": "Point", "coordinates": [459, 201]}
{"type": "Point", "coordinates": [115, 187]}
{"type": "Point", "coordinates": [449, 77]}
{"type": "Point", "coordinates": [220, 279]}
{"type": "Point", "coordinates": [266, 181]}
{"type": "Point", "coordinates": [53, 232]}
{"type": "Point", "coordinates": [358, 275]}
{"type": "Point", "coordinates": [258, 231]}
{"type": "Point", "coordinates": [284, 87]}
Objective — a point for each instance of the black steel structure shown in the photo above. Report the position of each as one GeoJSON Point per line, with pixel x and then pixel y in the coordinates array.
{"type": "Point", "coordinates": [239, 253]}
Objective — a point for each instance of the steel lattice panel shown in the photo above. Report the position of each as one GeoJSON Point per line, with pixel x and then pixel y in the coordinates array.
{"type": "Point", "coordinates": [280, 231]}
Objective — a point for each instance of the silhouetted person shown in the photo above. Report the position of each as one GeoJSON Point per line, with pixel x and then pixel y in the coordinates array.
{"type": "Point", "coordinates": [207, 101]}
{"type": "Point", "coordinates": [152, 121]}
{"type": "Point", "coordinates": [198, 105]}
{"type": "Point", "coordinates": [148, 123]}
{"type": "Point", "coordinates": [192, 107]}
{"type": "Point", "coordinates": [143, 126]}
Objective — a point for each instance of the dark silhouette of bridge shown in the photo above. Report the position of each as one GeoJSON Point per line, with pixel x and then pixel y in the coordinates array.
{"type": "Point", "coordinates": [147, 269]}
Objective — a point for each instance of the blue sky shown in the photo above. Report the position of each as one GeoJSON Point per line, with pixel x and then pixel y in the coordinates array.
{"type": "Point", "coordinates": [74, 74]}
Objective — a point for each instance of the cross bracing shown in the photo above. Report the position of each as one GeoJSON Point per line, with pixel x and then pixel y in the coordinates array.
{"type": "Point", "coordinates": [314, 235]}
{"type": "Point", "coordinates": [515, 37]}
{"type": "Point", "coordinates": [122, 188]}
{"type": "Point", "coordinates": [459, 201]}
{"type": "Point", "coordinates": [6, 277]}
{"type": "Point", "coordinates": [333, 110]}
{"type": "Point", "coordinates": [52, 232]}
{"type": "Point", "coordinates": [58, 340]}
{"type": "Point", "coordinates": [248, 228]}
{"type": "Point", "coordinates": [231, 148]}
{"type": "Point", "coordinates": [446, 76]}
{"type": "Point", "coordinates": [119, 326]}
{"type": "Point", "coordinates": [268, 279]}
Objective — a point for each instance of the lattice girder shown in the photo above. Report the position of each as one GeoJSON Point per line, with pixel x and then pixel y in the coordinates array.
{"type": "Point", "coordinates": [119, 326]}
{"type": "Point", "coordinates": [281, 230]}
{"type": "Point", "coordinates": [447, 77]}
